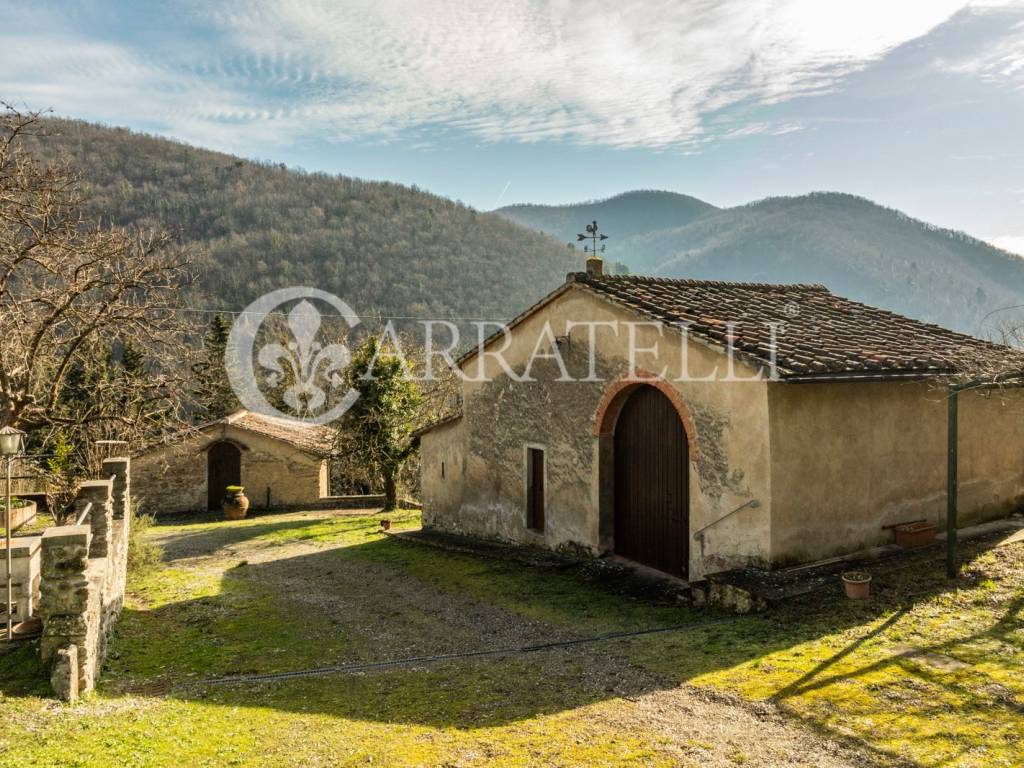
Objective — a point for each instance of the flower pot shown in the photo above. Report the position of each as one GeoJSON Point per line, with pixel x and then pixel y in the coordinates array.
{"type": "Point", "coordinates": [857, 585]}
{"type": "Point", "coordinates": [235, 503]}
{"type": "Point", "coordinates": [911, 535]}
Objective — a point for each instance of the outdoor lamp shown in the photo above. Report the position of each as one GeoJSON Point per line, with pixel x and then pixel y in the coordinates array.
{"type": "Point", "coordinates": [12, 441]}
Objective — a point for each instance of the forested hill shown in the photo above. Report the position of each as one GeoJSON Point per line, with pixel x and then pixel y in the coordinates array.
{"type": "Point", "coordinates": [253, 227]}
{"type": "Point", "coordinates": [628, 214]}
{"type": "Point", "coordinates": [855, 247]}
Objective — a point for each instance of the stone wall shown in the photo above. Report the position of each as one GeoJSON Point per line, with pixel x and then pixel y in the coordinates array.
{"type": "Point", "coordinates": [25, 563]}
{"type": "Point", "coordinates": [172, 478]}
{"type": "Point", "coordinates": [83, 573]}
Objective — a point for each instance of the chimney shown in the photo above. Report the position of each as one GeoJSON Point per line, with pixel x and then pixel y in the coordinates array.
{"type": "Point", "coordinates": [595, 266]}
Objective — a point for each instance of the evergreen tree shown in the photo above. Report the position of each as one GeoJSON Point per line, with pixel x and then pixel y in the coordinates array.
{"type": "Point", "coordinates": [377, 429]}
{"type": "Point", "coordinates": [214, 396]}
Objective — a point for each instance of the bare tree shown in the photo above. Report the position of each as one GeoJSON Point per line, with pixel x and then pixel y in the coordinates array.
{"type": "Point", "coordinates": [90, 343]}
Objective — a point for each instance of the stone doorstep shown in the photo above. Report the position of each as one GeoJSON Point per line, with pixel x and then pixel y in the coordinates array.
{"type": "Point", "coordinates": [645, 572]}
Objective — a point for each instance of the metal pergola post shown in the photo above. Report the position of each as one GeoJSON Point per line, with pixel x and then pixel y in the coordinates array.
{"type": "Point", "coordinates": [952, 486]}
{"type": "Point", "coordinates": [1008, 380]}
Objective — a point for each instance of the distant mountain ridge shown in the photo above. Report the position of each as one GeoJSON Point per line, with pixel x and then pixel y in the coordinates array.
{"type": "Point", "coordinates": [627, 215]}
{"type": "Point", "coordinates": [857, 248]}
{"type": "Point", "coordinates": [397, 251]}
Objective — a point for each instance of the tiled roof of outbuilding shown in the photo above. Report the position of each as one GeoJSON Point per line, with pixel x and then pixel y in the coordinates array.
{"type": "Point", "coordinates": [312, 438]}
{"type": "Point", "coordinates": [819, 334]}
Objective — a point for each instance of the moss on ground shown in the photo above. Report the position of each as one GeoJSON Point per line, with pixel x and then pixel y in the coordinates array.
{"type": "Point", "coordinates": [922, 671]}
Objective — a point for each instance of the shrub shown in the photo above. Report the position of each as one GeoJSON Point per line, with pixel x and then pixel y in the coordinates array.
{"type": "Point", "coordinates": [142, 552]}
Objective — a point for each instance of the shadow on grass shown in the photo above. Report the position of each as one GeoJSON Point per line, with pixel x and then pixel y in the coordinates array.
{"type": "Point", "coordinates": [216, 534]}
{"type": "Point", "coordinates": [371, 602]}
{"type": "Point", "coordinates": [22, 673]}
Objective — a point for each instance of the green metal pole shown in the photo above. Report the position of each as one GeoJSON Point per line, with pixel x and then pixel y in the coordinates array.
{"type": "Point", "coordinates": [951, 484]}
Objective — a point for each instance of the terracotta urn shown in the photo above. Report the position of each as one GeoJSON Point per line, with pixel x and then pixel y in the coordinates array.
{"type": "Point", "coordinates": [235, 503]}
{"type": "Point", "coordinates": [857, 585]}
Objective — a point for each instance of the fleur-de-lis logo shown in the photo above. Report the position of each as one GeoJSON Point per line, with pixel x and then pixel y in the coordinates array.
{"type": "Point", "coordinates": [308, 368]}
{"type": "Point", "coordinates": [309, 361]}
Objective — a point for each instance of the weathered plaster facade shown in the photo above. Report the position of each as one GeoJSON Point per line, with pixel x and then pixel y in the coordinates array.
{"type": "Point", "coordinates": [850, 458]}
{"type": "Point", "coordinates": [827, 464]}
{"type": "Point", "coordinates": [173, 478]}
{"type": "Point", "coordinates": [484, 491]}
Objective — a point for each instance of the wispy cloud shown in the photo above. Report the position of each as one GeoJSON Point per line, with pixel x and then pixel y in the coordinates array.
{"type": "Point", "coordinates": [622, 73]}
{"type": "Point", "coordinates": [998, 60]}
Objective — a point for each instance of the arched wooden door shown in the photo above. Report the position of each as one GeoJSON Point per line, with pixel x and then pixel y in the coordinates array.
{"type": "Point", "coordinates": [652, 499]}
{"type": "Point", "coordinates": [223, 468]}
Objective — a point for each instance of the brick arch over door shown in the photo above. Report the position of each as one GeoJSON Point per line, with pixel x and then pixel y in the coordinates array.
{"type": "Point", "coordinates": [606, 417]}
{"type": "Point", "coordinates": [608, 410]}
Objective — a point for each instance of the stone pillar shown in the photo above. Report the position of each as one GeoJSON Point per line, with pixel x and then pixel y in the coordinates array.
{"type": "Point", "coordinates": [69, 599]}
{"type": "Point", "coordinates": [64, 676]}
{"type": "Point", "coordinates": [120, 468]}
{"type": "Point", "coordinates": [100, 494]}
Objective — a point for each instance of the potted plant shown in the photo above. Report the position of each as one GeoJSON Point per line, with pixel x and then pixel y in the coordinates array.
{"type": "Point", "coordinates": [235, 503]}
{"type": "Point", "coordinates": [857, 585]}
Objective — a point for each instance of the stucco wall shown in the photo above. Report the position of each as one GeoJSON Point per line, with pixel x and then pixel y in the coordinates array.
{"type": "Point", "coordinates": [441, 496]}
{"type": "Point", "coordinates": [850, 458]}
{"type": "Point", "coordinates": [729, 442]}
{"type": "Point", "coordinates": [830, 464]}
{"type": "Point", "coordinates": [173, 478]}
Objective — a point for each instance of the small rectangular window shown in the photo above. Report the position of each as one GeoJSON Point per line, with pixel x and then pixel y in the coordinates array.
{"type": "Point", "coordinates": [442, 470]}
{"type": "Point", "coordinates": [535, 488]}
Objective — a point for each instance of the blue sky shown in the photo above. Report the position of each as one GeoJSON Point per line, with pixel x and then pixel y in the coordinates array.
{"type": "Point", "coordinates": [917, 104]}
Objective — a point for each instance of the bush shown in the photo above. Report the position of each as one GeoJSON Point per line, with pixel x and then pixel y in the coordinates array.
{"type": "Point", "coordinates": [142, 553]}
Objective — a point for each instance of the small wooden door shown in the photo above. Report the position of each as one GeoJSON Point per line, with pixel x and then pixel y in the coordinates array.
{"type": "Point", "coordinates": [535, 488]}
{"type": "Point", "coordinates": [223, 468]}
{"type": "Point", "coordinates": [652, 499]}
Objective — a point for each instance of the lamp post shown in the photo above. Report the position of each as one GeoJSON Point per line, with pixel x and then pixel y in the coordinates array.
{"type": "Point", "coordinates": [12, 443]}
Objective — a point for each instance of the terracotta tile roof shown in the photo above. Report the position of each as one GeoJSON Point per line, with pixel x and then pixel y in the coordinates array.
{"type": "Point", "coordinates": [311, 438]}
{"type": "Point", "coordinates": [822, 336]}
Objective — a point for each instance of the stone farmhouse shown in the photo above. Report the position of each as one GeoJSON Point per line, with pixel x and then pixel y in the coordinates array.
{"type": "Point", "coordinates": [692, 464]}
{"type": "Point", "coordinates": [280, 462]}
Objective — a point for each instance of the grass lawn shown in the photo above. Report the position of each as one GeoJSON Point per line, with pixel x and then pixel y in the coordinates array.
{"type": "Point", "coordinates": [924, 673]}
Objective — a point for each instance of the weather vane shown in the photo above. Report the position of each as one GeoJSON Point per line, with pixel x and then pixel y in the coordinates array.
{"type": "Point", "coordinates": [593, 236]}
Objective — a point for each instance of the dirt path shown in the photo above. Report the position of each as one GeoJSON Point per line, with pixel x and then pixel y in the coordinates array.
{"type": "Point", "coordinates": [691, 725]}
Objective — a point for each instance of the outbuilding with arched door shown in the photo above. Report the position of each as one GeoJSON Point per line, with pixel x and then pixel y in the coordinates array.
{"type": "Point", "coordinates": [281, 463]}
{"type": "Point", "coordinates": [696, 426]}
